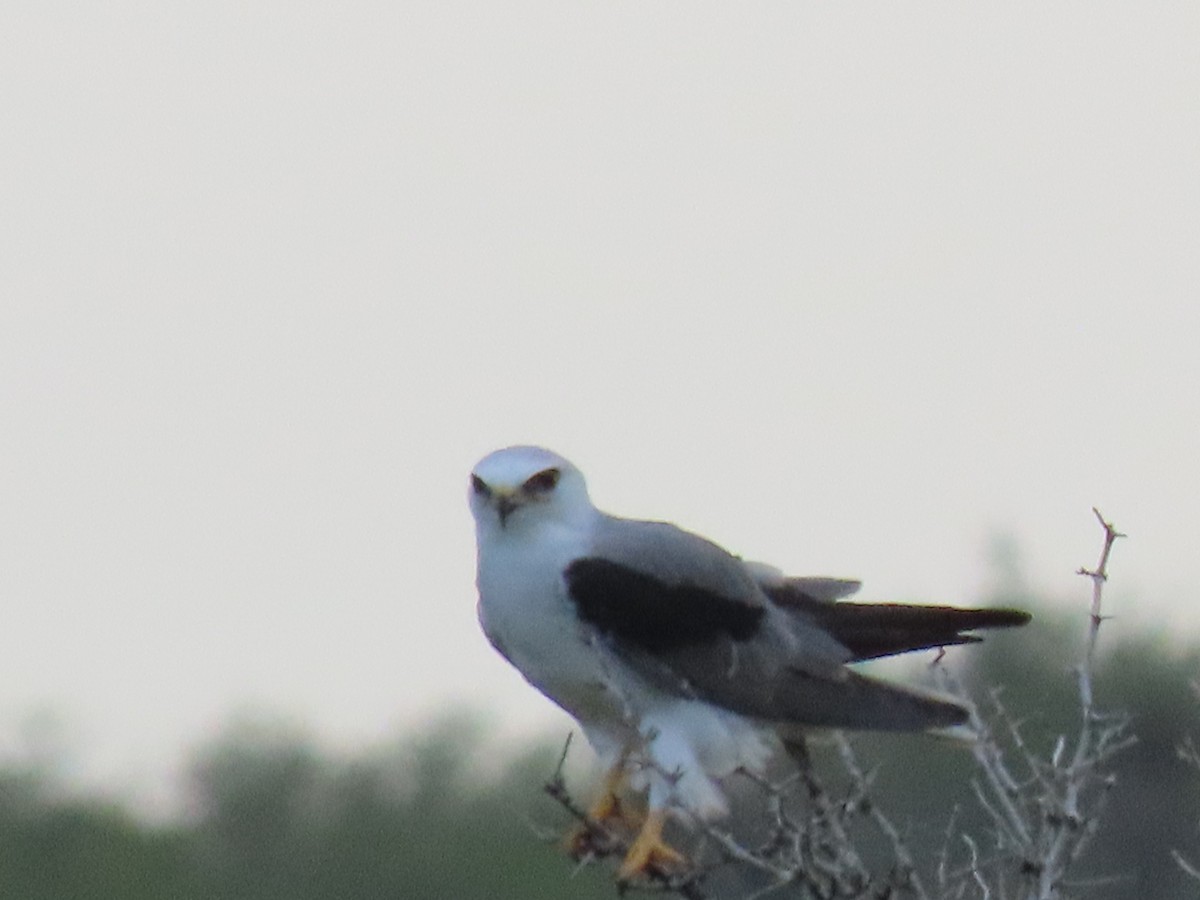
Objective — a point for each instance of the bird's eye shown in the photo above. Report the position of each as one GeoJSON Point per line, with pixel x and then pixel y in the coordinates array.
{"type": "Point", "coordinates": [542, 482]}
{"type": "Point", "coordinates": [479, 486]}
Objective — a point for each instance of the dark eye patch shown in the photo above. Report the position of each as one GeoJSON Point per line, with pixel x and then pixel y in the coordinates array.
{"type": "Point", "coordinates": [542, 482]}
{"type": "Point", "coordinates": [479, 486]}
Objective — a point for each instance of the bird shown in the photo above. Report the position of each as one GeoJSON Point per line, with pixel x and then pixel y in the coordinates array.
{"type": "Point", "coordinates": [682, 662]}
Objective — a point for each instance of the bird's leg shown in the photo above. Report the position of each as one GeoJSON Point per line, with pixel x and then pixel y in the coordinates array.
{"type": "Point", "coordinates": [608, 805]}
{"type": "Point", "coordinates": [649, 853]}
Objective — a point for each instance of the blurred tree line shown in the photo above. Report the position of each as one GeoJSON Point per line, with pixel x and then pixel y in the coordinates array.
{"type": "Point", "coordinates": [437, 816]}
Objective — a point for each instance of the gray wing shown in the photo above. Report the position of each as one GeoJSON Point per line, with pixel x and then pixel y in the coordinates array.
{"type": "Point", "coordinates": [696, 621]}
{"type": "Point", "coordinates": [812, 587]}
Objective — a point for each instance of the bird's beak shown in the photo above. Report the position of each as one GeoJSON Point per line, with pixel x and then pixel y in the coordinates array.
{"type": "Point", "coordinates": [506, 503]}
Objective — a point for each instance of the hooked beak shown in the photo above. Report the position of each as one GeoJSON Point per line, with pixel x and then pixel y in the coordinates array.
{"type": "Point", "coordinates": [506, 504]}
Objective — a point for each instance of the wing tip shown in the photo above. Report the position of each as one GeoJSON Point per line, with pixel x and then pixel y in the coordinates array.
{"type": "Point", "coordinates": [1003, 617]}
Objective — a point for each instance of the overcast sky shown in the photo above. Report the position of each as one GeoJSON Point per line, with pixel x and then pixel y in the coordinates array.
{"type": "Point", "coordinates": [848, 288]}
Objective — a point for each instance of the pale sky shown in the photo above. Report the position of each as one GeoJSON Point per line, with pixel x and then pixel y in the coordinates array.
{"type": "Point", "coordinates": [849, 289]}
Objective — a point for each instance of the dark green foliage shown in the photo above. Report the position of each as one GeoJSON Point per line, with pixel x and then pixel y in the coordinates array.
{"type": "Point", "coordinates": [63, 849]}
{"type": "Point", "coordinates": [413, 821]}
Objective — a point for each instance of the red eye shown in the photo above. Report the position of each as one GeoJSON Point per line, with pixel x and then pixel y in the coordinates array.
{"type": "Point", "coordinates": [542, 482]}
{"type": "Point", "coordinates": [479, 486]}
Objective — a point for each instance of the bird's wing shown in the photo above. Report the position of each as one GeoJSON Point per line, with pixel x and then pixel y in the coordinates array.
{"type": "Point", "coordinates": [871, 630]}
{"type": "Point", "coordinates": [695, 621]}
{"type": "Point", "coordinates": [809, 587]}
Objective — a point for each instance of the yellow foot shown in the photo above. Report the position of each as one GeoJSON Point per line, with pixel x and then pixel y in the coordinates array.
{"type": "Point", "coordinates": [608, 807]}
{"type": "Point", "coordinates": [649, 854]}
{"type": "Point", "coordinates": [607, 812]}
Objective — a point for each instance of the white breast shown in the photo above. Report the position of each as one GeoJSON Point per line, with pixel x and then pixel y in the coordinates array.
{"type": "Point", "coordinates": [526, 613]}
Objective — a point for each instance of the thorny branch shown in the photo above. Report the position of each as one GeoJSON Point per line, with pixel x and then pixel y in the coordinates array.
{"type": "Point", "coordinates": [1190, 754]}
{"type": "Point", "coordinates": [1046, 821]}
{"type": "Point", "coordinates": [1098, 739]}
{"type": "Point", "coordinates": [1099, 576]}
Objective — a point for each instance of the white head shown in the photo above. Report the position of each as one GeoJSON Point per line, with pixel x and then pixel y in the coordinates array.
{"type": "Point", "coordinates": [518, 488]}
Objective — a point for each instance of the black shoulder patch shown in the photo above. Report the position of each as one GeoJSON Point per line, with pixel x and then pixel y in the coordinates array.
{"type": "Point", "coordinates": [655, 616]}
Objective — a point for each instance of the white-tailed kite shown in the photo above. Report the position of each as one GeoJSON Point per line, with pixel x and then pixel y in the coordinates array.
{"type": "Point", "coordinates": [682, 662]}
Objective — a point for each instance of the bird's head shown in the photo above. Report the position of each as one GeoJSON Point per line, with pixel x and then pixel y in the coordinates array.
{"type": "Point", "coordinates": [521, 487]}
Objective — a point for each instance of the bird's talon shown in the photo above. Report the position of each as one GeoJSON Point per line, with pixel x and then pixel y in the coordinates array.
{"type": "Point", "coordinates": [594, 835]}
{"type": "Point", "coordinates": [650, 855]}
{"type": "Point", "coordinates": [580, 842]}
